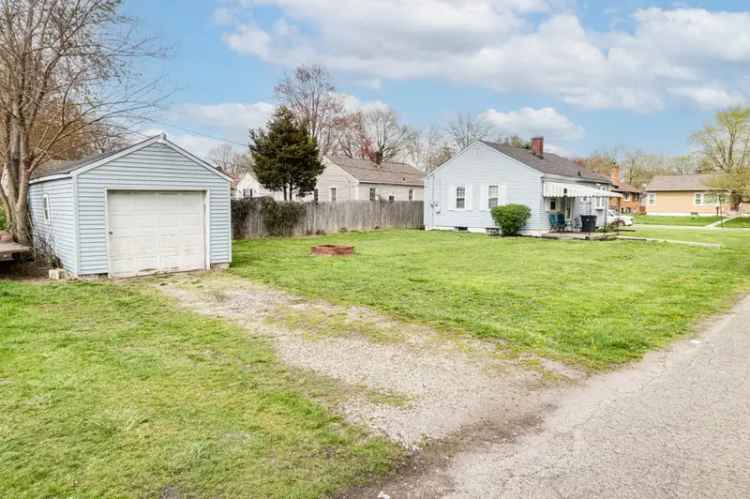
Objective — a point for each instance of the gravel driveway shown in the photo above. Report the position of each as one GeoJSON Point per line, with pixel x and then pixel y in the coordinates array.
{"type": "Point", "coordinates": [676, 424]}
{"type": "Point", "coordinates": [409, 382]}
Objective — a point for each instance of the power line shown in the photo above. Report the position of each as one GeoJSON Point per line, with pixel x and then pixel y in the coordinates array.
{"type": "Point", "coordinates": [194, 132]}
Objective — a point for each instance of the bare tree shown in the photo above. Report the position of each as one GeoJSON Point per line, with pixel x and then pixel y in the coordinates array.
{"type": "Point", "coordinates": [428, 149]}
{"type": "Point", "coordinates": [466, 129]}
{"type": "Point", "coordinates": [351, 139]}
{"type": "Point", "coordinates": [311, 96]}
{"type": "Point", "coordinates": [376, 134]}
{"type": "Point", "coordinates": [386, 137]}
{"type": "Point", "coordinates": [230, 161]}
{"type": "Point", "coordinates": [65, 71]}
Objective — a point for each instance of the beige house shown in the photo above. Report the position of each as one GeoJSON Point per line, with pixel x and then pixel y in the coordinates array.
{"type": "Point", "coordinates": [348, 179]}
{"type": "Point", "coordinates": [677, 195]}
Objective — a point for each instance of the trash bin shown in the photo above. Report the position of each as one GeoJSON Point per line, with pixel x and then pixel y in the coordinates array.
{"type": "Point", "coordinates": [588, 223]}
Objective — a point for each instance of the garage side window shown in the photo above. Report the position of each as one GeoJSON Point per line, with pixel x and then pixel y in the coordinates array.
{"type": "Point", "coordinates": [47, 210]}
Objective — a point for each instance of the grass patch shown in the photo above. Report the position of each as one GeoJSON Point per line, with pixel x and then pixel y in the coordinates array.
{"type": "Point", "coordinates": [108, 390]}
{"type": "Point", "coordinates": [738, 223]}
{"type": "Point", "coordinates": [665, 220]}
{"type": "Point", "coordinates": [593, 303]}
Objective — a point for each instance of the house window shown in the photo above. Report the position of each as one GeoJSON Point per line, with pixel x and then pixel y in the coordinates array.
{"type": "Point", "coordinates": [552, 204]}
{"type": "Point", "coordinates": [247, 193]}
{"type": "Point", "coordinates": [47, 210]}
{"type": "Point", "coordinates": [411, 194]}
{"type": "Point", "coordinates": [710, 198]}
{"type": "Point", "coordinates": [460, 198]}
{"type": "Point", "coordinates": [698, 199]}
{"type": "Point", "coordinates": [333, 194]}
{"type": "Point", "coordinates": [651, 198]}
{"type": "Point", "coordinates": [391, 198]}
{"type": "Point", "coordinates": [493, 196]}
{"type": "Point", "coordinates": [316, 195]}
{"type": "Point", "coordinates": [373, 193]}
{"type": "Point", "coordinates": [626, 196]}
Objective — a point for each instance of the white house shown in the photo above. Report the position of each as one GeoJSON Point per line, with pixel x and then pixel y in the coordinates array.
{"type": "Point", "coordinates": [348, 179]}
{"type": "Point", "coordinates": [146, 208]}
{"type": "Point", "coordinates": [460, 193]}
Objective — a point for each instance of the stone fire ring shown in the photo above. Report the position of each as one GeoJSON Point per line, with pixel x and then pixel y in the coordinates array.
{"type": "Point", "coordinates": [332, 250]}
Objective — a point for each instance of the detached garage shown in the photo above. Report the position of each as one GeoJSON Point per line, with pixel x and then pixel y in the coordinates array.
{"type": "Point", "coordinates": [148, 208]}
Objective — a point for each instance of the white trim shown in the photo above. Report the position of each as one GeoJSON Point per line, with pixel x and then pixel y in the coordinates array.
{"type": "Point", "coordinates": [76, 227]}
{"type": "Point", "coordinates": [49, 178]}
{"type": "Point", "coordinates": [159, 139]}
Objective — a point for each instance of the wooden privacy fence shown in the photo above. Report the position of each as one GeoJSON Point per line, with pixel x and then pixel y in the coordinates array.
{"type": "Point", "coordinates": [319, 218]}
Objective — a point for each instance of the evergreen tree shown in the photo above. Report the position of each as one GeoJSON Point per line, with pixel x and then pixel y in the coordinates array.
{"type": "Point", "coordinates": [285, 156]}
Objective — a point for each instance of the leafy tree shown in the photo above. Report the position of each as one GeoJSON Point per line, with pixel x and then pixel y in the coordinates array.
{"type": "Point", "coordinates": [725, 150]}
{"type": "Point", "coordinates": [285, 156]}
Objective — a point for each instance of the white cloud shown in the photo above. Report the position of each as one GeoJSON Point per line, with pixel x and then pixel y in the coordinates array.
{"type": "Point", "coordinates": [196, 144]}
{"type": "Point", "coordinates": [528, 122]}
{"type": "Point", "coordinates": [507, 45]}
{"type": "Point", "coordinates": [352, 104]}
{"type": "Point", "coordinates": [710, 97]}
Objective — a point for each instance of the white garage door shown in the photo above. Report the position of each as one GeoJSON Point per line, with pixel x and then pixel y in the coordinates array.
{"type": "Point", "coordinates": [156, 232]}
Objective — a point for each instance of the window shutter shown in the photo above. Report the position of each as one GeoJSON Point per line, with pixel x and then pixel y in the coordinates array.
{"type": "Point", "coordinates": [484, 197]}
{"type": "Point", "coordinates": [452, 194]}
{"type": "Point", "coordinates": [469, 195]}
{"type": "Point", "coordinates": [503, 194]}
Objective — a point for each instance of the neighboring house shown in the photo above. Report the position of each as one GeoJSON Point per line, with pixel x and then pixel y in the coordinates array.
{"type": "Point", "coordinates": [630, 202]}
{"type": "Point", "coordinates": [461, 192]}
{"type": "Point", "coordinates": [146, 208]}
{"type": "Point", "coordinates": [347, 179]}
{"type": "Point", "coordinates": [684, 195]}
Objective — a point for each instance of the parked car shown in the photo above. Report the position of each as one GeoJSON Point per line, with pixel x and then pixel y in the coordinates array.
{"type": "Point", "coordinates": [613, 216]}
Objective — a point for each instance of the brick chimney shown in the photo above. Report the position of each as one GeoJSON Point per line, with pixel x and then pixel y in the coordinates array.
{"type": "Point", "coordinates": [614, 174]}
{"type": "Point", "coordinates": [537, 146]}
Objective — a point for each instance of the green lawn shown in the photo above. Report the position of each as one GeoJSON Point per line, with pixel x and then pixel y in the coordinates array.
{"type": "Point", "coordinates": [110, 391]}
{"type": "Point", "coordinates": [734, 241]}
{"type": "Point", "coordinates": [592, 303]}
{"type": "Point", "coordinates": [738, 223]}
{"type": "Point", "coordinates": [664, 220]}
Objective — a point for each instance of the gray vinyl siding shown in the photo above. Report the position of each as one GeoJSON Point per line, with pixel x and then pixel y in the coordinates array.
{"type": "Point", "coordinates": [59, 234]}
{"type": "Point", "coordinates": [154, 167]}
{"type": "Point", "coordinates": [476, 167]}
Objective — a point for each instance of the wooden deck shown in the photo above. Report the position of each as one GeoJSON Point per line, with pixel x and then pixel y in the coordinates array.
{"type": "Point", "coordinates": [9, 249]}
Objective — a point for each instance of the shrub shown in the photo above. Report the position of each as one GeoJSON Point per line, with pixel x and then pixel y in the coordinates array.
{"type": "Point", "coordinates": [279, 218]}
{"type": "Point", "coordinates": [511, 218]}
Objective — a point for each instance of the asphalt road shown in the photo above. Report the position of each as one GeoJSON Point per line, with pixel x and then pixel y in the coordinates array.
{"type": "Point", "coordinates": [674, 425]}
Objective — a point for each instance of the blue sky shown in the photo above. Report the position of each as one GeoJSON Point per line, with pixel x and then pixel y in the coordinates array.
{"type": "Point", "coordinates": [589, 75]}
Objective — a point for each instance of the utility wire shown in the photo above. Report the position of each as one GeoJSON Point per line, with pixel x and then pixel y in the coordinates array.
{"type": "Point", "coordinates": [194, 132]}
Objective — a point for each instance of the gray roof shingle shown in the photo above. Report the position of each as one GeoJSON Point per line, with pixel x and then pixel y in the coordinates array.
{"type": "Point", "coordinates": [388, 172]}
{"type": "Point", "coordinates": [551, 164]}
{"type": "Point", "coordinates": [695, 182]}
